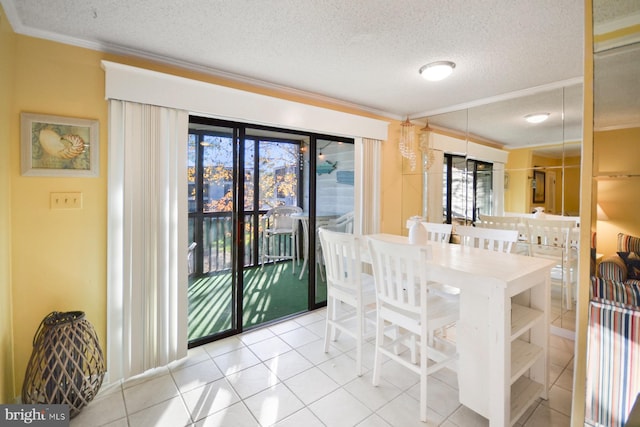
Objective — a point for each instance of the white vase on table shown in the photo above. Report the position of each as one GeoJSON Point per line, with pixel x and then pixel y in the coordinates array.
{"type": "Point", "coordinates": [417, 233]}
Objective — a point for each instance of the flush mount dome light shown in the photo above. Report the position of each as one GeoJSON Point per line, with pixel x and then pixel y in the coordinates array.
{"type": "Point", "coordinates": [536, 117]}
{"type": "Point", "coordinates": [437, 70]}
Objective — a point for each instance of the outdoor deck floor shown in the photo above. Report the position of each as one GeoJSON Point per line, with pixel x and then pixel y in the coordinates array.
{"type": "Point", "coordinates": [269, 293]}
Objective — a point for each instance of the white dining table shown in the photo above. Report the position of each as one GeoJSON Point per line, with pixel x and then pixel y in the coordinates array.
{"type": "Point", "coordinates": [502, 336]}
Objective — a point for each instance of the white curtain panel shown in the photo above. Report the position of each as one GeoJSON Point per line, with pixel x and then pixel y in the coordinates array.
{"type": "Point", "coordinates": [147, 238]}
{"type": "Point", "coordinates": [371, 149]}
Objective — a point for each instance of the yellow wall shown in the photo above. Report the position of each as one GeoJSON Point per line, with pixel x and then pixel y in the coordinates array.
{"type": "Point", "coordinates": [412, 184]}
{"type": "Point", "coordinates": [517, 166]}
{"type": "Point", "coordinates": [392, 184]}
{"type": "Point", "coordinates": [572, 185]}
{"type": "Point", "coordinates": [58, 258]}
{"type": "Point", "coordinates": [617, 152]}
{"type": "Point", "coordinates": [618, 193]}
{"type": "Point", "coordinates": [547, 165]}
{"type": "Point", "coordinates": [7, 39]}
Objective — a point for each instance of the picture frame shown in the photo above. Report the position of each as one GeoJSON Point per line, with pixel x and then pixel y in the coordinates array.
{"type": "Point", "coordinates": [539, 182]}
{"type": "Point", "coordinates": [59, 146]}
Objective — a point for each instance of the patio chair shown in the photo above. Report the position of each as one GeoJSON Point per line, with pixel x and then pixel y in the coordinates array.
{"type": "Point", "coordinates": [343, 223]}
{"type": "Point", "coordinates": [280, 235]}
{"type": "Point", "coordinates": [190, 251]}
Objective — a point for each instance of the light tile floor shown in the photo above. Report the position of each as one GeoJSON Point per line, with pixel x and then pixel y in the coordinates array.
{"type": "Point", "coordinates": [279, 375]}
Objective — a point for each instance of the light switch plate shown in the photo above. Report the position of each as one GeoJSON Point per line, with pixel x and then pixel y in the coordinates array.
{"type": "Point", "coordinates": [66, 200]}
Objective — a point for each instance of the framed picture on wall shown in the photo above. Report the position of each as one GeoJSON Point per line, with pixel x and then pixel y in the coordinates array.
{"type": "Point", "coordinates": [538, 186]}
{"type": "Point", "coordinates": [58, 146]}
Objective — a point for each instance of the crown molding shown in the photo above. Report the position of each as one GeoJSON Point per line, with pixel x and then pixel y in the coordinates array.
{"type": "Point", "coordinates": [498, 98]}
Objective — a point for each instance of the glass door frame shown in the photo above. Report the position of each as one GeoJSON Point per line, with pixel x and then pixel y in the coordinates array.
{"type": "Point", "coordinates": [469, 177]}
{"type": "Point", "coordinates": [238, 216]}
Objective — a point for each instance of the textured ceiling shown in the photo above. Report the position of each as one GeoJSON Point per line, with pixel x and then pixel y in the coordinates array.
{"type": "Point", "coordinates": [616, 88]}
{"type": "Point", "coordinates": [364, 53]}
{"type": "Point", "coordinates": [605, 11]}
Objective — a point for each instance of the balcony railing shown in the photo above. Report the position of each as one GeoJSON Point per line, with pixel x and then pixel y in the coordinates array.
{"type": "Point", "coordinates": [216, 248]}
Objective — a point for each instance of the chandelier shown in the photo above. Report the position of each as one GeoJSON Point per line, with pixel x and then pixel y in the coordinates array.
{"type": "Point", "coordinates": [425, 146]}
{"type": "Point", "coordinates": [407, 143]}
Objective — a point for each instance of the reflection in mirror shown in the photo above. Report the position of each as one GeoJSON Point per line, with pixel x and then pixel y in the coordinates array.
{"type": "Point", "coordinates": [616, 124]}
{"type": "Point", "coordinates": [532, 146]}
{"type": "Point", "coordinates": [443, 134]}
{"type": "Point", "coordinates": [490, 161]}
{"type": "Point", "coordinates": [615, 186]}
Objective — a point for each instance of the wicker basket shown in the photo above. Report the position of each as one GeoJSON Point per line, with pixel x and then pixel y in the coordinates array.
{"type": "Point", "coordinates": [66, 365]}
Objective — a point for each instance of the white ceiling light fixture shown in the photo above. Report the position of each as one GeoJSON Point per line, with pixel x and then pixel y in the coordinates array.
{"type": "Point", "coordinates": [437, 70]}
{"type": "Point", "coordinates": [536, 117]}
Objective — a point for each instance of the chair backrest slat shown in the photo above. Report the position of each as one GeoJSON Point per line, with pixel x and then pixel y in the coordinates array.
{"type": "Point", "coordinates": [547, 236]}
{"type": "Point", "coordinates": [400, 272]}
{"type": "Point", "coordinates": [341, 252]}
{"type": "Point", "coordinates": [279, 218]}
{"type": "Point", "coordinates": [499, 222]}
{"type": "Point", "coordinates": [487, 238]}
{"type": "Point", "coordinates": [343, 223]}
{"type": "Point", "coordinates": [437, 232]}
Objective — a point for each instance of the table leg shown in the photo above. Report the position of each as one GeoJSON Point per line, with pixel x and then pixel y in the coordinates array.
{"type": "Point", "coordinates": [499, 358]}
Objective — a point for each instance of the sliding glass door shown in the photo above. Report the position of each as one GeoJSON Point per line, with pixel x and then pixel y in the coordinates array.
{"type": "Point", "coordinates": [334, 190]}
{"type": "Point", "coordinates": [211, 231]}
{"type": "Point", "coordinates": [246, 268]}
{"type": "Point", "coordinates": [467, 189]}
{"type": "Point", "coordinates": [272, 284]}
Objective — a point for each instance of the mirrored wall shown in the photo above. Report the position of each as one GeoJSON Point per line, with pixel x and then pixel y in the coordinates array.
{"type": "Point", "coordinates": [487, 160]}
{"type": "Point", "coordinates": [616, 90]}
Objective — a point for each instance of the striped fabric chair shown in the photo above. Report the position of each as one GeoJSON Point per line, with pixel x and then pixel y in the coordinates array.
{"type": "Point", "coordinates": [613, 266]}
{"type": "Point", "coordinates": [613, 350]}
{"type": "Point", "coordinates": [613, 362]}
{"type": "Point", "coordinates": [627, 243]}
{"type": "Point", "coordinates": [613, 290]}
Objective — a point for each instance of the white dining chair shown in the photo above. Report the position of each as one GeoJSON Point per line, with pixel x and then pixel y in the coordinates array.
{"type": "Point", "coordinates": [437, 232]}
{"type": "Point", "coordinates": [507, 223]}
{"type": "Point", "coordinates": [492, 239]}
{"type": "Point", "coordinates": [500, 222]}
{"type": "Point", "coordinates": [347, 285]}
{"type": "Point", "coordinates": [485, 238]}
{"type": "Point", "coordinates": [440, 233]}
{"type": "Point", "coordinates": [280, 235]}
{"type": "Point", "coordinates": [401, 273]}
{"type": "Point", "coordinates": [552, 239]}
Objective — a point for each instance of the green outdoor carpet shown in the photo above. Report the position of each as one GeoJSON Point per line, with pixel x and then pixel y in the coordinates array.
{"type": "Point", "coordinates": [269, 293]}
